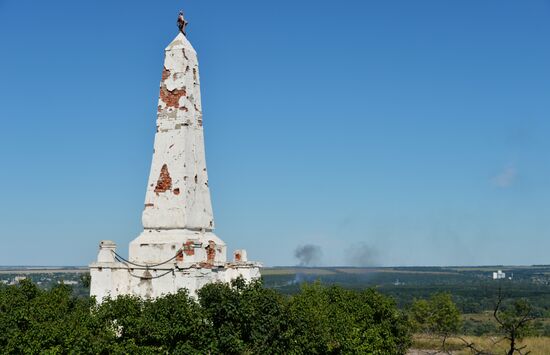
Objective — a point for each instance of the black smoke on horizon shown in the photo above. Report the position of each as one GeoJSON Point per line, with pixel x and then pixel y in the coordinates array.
{"type": "Point", "coordinates": [308, 255]}
{"type": "Point", "coordinates": [362, 255]}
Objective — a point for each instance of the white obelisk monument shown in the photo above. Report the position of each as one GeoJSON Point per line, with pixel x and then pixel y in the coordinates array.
{"type": "Point", "coordinates": [177, 248]}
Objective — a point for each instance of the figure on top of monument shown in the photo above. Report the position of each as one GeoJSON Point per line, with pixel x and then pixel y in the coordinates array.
{"type": "Point", "coordinates": [182, 23]}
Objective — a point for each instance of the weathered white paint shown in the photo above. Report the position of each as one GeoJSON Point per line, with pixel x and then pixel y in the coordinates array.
{"type": "Point", "coordinates": [177, 248]}
{"type": "Point", "coordinates": [112, 279]}
{"type": "Point", "coordinates": [179, 147]}
{"type": "Point", "coordinates": [154, 246]}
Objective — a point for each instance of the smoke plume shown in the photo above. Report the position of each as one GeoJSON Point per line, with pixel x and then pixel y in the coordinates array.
{"type": "Point", "coordinates": [308, 254]}
{"type": "Point", "coordinates": [361, 254]}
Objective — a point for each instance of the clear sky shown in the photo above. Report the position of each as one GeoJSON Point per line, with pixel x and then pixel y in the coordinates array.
{"type": "Point", "coordinates": [387, 132]}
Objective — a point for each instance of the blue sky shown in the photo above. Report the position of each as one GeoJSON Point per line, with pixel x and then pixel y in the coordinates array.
{"type": "Point", "coordinates": [388, 132]}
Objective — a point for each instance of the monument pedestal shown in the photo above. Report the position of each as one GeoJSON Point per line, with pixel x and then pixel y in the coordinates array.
{"type": "Point", "coordinates": [190, 265]}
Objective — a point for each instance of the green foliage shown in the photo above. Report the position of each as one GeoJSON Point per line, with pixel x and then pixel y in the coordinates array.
{"type": "Point", "coordinates": [334, 321]}
{"type": "Point", "coordinates": [515, 320]}
{"type": "Point", "coordinates": [36, 321]}
{"type": "Point", "coordinates": [244, 318]}
{"type": "Point", "coordinates": [86, 280]}
{"type": "Point", "coordinates": [479, 327]}
{"type": "Point", "coordinates": [235, 318]}
{"type": "Point", "coordinates": [437, 315]}
{"type": "Point", "coordinates": [171, 324]}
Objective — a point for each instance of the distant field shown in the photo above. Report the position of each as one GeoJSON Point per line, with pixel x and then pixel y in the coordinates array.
{"type": "Point", "coordinates": [37, 270]}
{"type": "Point", "coordinates": [536, 345]}
{"type": "Point", "coordinates": [296, 270]}
{"type": "Point", "coordinates": [349, 270]}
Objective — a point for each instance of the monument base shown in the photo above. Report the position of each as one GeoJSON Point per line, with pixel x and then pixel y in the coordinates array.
{"type": "Point", "coordinates": [163, 262]}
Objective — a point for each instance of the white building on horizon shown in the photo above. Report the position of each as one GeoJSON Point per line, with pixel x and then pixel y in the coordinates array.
{"type": "Point", "coordinates": [499, 275]}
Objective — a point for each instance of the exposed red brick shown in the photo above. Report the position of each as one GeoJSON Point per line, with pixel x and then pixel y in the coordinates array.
{"type": "Point", "coordinates": [164, 182]}
{"type": "Point", "coordinates": [237, 256]}
{"type": "Point", "coordinates": [179, 256]}
{"type": "Point", "coordinates": [165, 74]}
{"type": "Point", "coordinates": [189, 248]}
{"type": "Point", "coordinates": [210, 252]}
{"type": "Point", "coordinates": [172, 98]}
{"type": "Point", "coordinates": [176, 191]}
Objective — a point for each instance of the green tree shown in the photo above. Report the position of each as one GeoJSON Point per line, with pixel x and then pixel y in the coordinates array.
{"type": "Point", "coordinates": [36, 321]}
{"type": "Point", "coordinates": [236, 318]}
{"type": "Point", "coordinates": [86, 280]}
{"type": "Point", "coordinates": [171, 324]}
{"type": "Point", "coordinates": [332, 320]}
{"type": "Point", "coordinates": [437, 316]}
{"type": "Point", "coordinates": [245, 318]}
{"type": "Point", "coordinates": [515, 322]}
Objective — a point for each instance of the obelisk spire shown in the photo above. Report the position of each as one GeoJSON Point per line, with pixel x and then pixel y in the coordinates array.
{"type": "Point", "coordinates": [177, 195]}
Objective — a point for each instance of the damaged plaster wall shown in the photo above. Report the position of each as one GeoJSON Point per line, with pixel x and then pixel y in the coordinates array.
{"type": "Point", "coordinates": [177, 193]}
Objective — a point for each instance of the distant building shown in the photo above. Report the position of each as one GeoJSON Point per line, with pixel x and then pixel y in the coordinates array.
{"type": "Point", "coordinates": [499, 275]}
{"type": "Point", "coordinates": [398, 283]}
{"type": "Point", "coordinates": [17, 279]}
{"type": "Point", "coordinates": [68, 282]}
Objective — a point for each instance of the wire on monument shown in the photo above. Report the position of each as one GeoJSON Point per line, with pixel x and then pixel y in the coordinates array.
{"type": "Point", "coordinates": [117, 256]}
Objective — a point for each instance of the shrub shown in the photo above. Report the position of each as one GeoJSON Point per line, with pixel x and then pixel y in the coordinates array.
{"type": "Point", "coordinates": [236, 318]}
